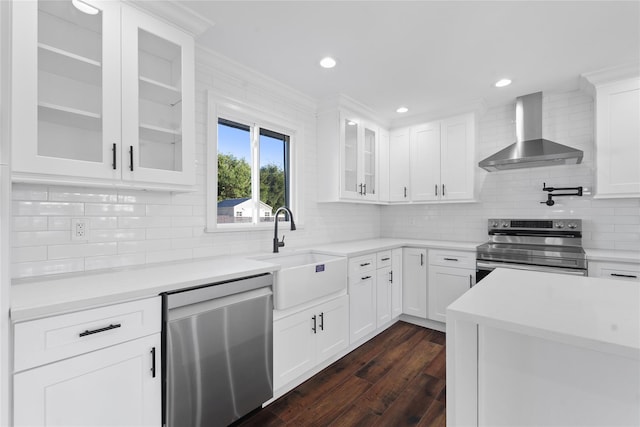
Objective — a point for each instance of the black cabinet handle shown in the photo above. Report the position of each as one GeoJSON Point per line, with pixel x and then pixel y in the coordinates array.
{"type": "Point", "coordinates": [322, 321]}
{"type": "Point", "coordinates": [153, 362]}
{"type": "Point", "coordinates": [451, 259]}
{"type": "Point", "coordinates": [421, 259]}
{"type": "Point", "coordinates": [405, 192]}
{"type": "Point", "coordinates": [470, 281]}
{"type": "Point", "coordinates": [131, 158]}
{"type": "Point", "coordinates": [630, 276]}
{"type": "Point", "coordinates": [97, 331]}
{"type": "Point", "coordinates": [113, 162]}
{"type": "Point", "coordinates": [364, 186]}
{"type": "Point", "coordinates": [365, 278]}
{"type": "Point", "coordinates": [443, 193]}
{"type": "Point", "coordinates": [385, 259]}
{"type": "Point", "coordinates": [314, 324]}
{"type": "Point", "coordinates": [391, 276]}
{"type": "Point", "coordinates": [436, 186]}
{"type": "Point", "coordinates": [365, 264]}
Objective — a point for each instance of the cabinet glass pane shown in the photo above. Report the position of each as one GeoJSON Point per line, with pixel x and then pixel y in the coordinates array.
{"type": "Point", "coordinates": [370, 160]}
{"type": "Point", "coordinates": [160, 106]}
{"type": "Point", "coordinates": [69, 82]}
{"type": "Point", "coordinates": [350, 155]}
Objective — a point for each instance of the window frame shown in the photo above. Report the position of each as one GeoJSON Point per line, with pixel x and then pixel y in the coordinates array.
{"type": "Point", "coordinates": [219, 107]}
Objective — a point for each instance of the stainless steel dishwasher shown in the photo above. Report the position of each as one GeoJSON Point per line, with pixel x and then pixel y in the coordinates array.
{"type": "Point", "coordinates": [218, 351]}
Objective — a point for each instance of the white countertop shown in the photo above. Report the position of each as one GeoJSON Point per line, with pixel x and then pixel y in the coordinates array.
{"type": "Point", "coordinates": [47, 296]}
{"type": "Point", "coordinates": [50, 295]}
{"type": "Point", "coordinates": [361, 247]}
{"type": "Point", "coordinates": [612, 255]}
{"type": "Point", "coordinates": [595, 313]}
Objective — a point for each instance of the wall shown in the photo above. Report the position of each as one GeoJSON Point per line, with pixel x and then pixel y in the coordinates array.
{"type": "Point", "coordinates": [568, 118]}
{"type": "Point", "coordinates": [142, 227]}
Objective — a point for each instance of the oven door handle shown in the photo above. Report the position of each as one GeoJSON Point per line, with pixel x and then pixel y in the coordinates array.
{"type": "Point", "coordinates": [493, 265]}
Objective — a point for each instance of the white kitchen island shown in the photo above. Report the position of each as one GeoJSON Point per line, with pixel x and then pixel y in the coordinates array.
{"type": "Point", "coordinates": [540, 349]}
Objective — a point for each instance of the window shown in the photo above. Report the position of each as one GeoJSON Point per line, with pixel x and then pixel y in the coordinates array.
{"type": "Point", "coordinates": [253, 175]}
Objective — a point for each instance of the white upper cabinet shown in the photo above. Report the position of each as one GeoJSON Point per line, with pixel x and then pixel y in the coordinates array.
{"type": "Point", "coordinates": [433, 162]}
{"type": "Point", "coordinates": [348, 152]}
{"type": "Point", "coordinates": [399, 158]}
{"type": "Point", "coordinates": [618, 139]}
{"type": "Point", "coordinates": [101, 99]}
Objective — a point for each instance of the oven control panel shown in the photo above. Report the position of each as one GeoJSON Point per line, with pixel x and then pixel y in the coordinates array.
{"type": "Point", "coordinates": [535, 224]}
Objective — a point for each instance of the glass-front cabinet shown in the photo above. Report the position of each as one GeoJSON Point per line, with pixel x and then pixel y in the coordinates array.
{"type": "Point", "coordinates": [102, 94]}
{"type": "Point", "coordinates": [358, 158]}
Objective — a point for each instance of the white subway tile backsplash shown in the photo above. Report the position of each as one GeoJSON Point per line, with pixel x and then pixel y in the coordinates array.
{"type": "Point", "coordinates": [38, 238]}
{"type": "Point", "coordinates": [168, 210]}
{"type": "Point", "coordinates": [144, 221]}
{"type": "Point", "coordinates": [29, 253]}
{"type": "Point", "coordinates": [170, 255]}
{"type": "Point", "coordinates": [41, 268]}
{"type": "Point", "coordinates": [116, 235]}
{"type": "Point", "coordinates": [136, 246]}
{"type": "Point", "coordinates": [29, 192]}
{"type": "Point", "coordinates": [75, 194]}
{"type": "Point", "coordinates": [114, 261]}
{"type": "Point", "coordinates": [106, 209]}
{"type": "Point", "coordinates": [82, 250]}
{"type": "Point", "coordinates": [59, 223]}
{"type": "Point", "coordinates": [27, 208]}
{"type": "Point", "coordinates": [30, 223]}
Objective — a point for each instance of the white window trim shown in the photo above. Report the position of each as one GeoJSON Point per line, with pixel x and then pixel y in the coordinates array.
{"type": "Point", "coordinates": [221, 106]}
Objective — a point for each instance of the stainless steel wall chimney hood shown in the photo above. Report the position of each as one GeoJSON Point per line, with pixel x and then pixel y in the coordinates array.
{"type": "Point", "coordinates": [530, 149]}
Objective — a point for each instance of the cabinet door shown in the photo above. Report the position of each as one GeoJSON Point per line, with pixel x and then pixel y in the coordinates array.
{"type": "Point", "coordinates": [158, 127]}
{"type": "Point", "coordinates": [399, 159]}
{"type": "Point", "coordinates": [414, 282]}
{"type": "Point", "coordinates": [362, 305]}
{"type": "Point", "coordinates": [396, 282]}
{"type": "Point", "coordinates": [445, 286]}
{"type": "Point", "coordinates": [384, 295]}
{"type": "Point", "coordinates": [457, 158]}
{"type": "Point", "coordinates": [66, 70]}
{"type": "Point", "coordinates": [116, 386]}
{"type": "Point", "coordinates": [615, 270]}
{"type": "Point", "coordinates": [425, 162]}
{"type": "Point", "coordinates": [293, 347]}
{"type": "Point", "coordinates": [349, 157]}
{"type": "Point", "coordinates": [369, 178]}
{"type": "Point", "coordinates": [617, 136]}
{"type": "Point", "coordinates": [332, 331]}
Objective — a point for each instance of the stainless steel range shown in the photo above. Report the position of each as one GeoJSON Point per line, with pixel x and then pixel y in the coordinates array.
{"type": "Point", "coordinates": [552, 245]}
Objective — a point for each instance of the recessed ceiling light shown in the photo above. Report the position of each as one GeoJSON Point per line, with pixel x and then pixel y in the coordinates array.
{"type": "Point", "coordinates": [84, 7]}
{"type": "Point", "coordinates": [402, 110]}
{"type": "Point", "coordinates": [327, 62]}
{"type": "Point", "coordinates": [351, 123]}
{"type": "Point", "coordinates": [503, 83]}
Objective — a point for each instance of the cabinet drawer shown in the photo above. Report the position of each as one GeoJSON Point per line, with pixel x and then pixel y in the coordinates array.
{"type": "Point", "coordinates": [383, 259]}
{"type": "Point", "coordinates": [361, 264]}
{"type": "Point", "coordinates": [614, 270]}
{"type": "Point", "coordinates": [43, 341]}
{"type": "Point", "coordinates": [452, 259]}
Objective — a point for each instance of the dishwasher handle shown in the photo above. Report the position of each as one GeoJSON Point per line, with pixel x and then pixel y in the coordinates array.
{"type": "Point", "coordinates": [217, 303]}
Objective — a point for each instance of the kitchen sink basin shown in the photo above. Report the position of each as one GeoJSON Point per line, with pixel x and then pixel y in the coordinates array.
{"type": "Point", "coordinates": [305, 276]}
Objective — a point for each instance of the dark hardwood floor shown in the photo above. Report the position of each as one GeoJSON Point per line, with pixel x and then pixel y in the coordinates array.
{"type": "Point", "coordinates": [396, 379]}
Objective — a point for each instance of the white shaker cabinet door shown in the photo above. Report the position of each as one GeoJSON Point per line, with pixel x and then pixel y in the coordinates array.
{"type": "Point", "coordinates": [115, 386]}
{"type": "Point", "coordinates": [425, 162]}
{"type": "Point", "coordinates": [446, 285]}
{"type": "Point", "coordinates": [384, 296]}
{"type": "Point", "coordinates": [293, 347]}
{"type": "Point", "coordinates": [457, 158]}
{"type": "Point", "coordinates": [396, 282]}
{"type": "Point", "coordinates": [332, 330]}
{"type": "Point", "coordinates": [414, 282]}
{"type": "Point", "coordinates": [362, 305]}
{"type": "Point", "coordinates": [399, 171]}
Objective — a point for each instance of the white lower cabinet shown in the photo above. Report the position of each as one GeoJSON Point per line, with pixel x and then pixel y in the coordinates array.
{"type": "Point", "coordinates": [362, 305]}
{"type": "Point", "coordinates": [116, 386]}
{"type": "Point", "coordinates": [451, 274]}
{"type": "Point", "coordinates": [396, 283]}
{"type": "Point", "coordinates": [307, 338]}
{"type": "Point", "coordinates": [615, 270]}
{"type": "Point", "coordinates": [383, 296]}
{"type": "Point", "coordinates": [414, 282]}
{"type": "Point", "coordinates": [90, 368]}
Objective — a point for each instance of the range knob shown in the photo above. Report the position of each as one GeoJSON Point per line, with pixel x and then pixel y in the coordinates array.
{"type": "Point", "coordinates": [495, 224]}
{"type": "Point", "coordinates": [559, 225]}
{"type": "Point", "coordinates": [572, 225]}
{"type": "Point", "coordinates": [505, 224]}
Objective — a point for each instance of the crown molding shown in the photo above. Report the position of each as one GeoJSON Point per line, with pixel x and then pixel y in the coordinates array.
{"type": "Point", "coordinates": [477, 106]}
{"type": "Point", "coordinates": [588, 81]}
{"type": "Point", "coordinates": [174, 13]}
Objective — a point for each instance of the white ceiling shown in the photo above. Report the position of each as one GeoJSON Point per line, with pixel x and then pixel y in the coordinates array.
{"type": "Point", "coordinates": [427, 55]}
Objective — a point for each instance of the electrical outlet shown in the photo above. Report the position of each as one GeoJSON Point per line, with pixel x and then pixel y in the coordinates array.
{"type": "Point", "coordinates": [79, 229]}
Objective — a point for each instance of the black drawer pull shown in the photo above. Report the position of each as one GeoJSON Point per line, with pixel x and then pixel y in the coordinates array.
{"type": "Point", "coordinates": [451, 259]}
{"type": "Point", "coordinates": [365, 264]}
{"type": "Point", "coordinates": [131, 158]}
{"type": "Point", "coordinates": [314, 324]}
{"type": "Point", "coordinates": [322, 321]}
{"type": "Point", "coordinates": [630, 276]}
{"type": "Point", "coordinates": [113, 160]}
{"type": "Point", "coordinates": [97, 331]}
{"type": "Point", "coordinates": [365, 278]}
{"type": "Point", "coordinates": [385, 259]}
